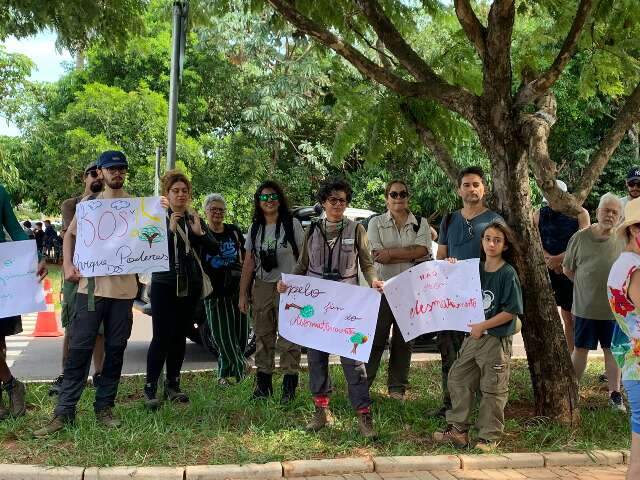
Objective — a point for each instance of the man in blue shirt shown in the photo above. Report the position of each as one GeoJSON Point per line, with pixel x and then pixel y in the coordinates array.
{"type": "Point", "coordinates": [460, 238]}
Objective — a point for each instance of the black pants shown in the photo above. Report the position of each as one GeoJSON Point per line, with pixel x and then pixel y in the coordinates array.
{"type": "Point", "coordinates": [117, 317]}
{"type": "Point", "coordinates": [172, 317]}
{"type": "Point", "coordinates": [449, 344]}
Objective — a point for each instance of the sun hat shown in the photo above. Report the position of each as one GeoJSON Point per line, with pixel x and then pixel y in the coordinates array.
{"type": "Point", "coordinates": [631, 216]}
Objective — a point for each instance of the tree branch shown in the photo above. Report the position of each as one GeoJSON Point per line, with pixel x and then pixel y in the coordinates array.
{"type": "Point", "coordinates": [475, 31]}
{"type": "Point", "coordinates": [629, 115]}
{"type": "Point", "coordinates": [568, 49]}
{"type": "Point", "coordinates": [439, 151]}
{"type": "Point", "coordinates": [497, 61]}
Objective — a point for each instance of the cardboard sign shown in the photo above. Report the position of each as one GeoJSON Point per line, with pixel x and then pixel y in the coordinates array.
{"type": "Point", "coordinates": [20, 290]}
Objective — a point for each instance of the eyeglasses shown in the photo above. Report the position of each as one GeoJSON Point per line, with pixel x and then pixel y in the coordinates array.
{"type": "Point", "coordinates": [92, 174]}
{"type": "Point", "coordinates": [265, 197]}
{"type": "Point", "coordinates": [336, 201]}
{"type": "Point", "coordinates": [469, 227]}
{"type": "Point", "coordinates": [633, 183]}
{"type": "Point", "coordinates": [403, 194]}
{"type": "Point", "coordinates": [610, 211]}
{"type": "Point", "coordinates": [219, 211]}
{"type": "Point", "coordinates": [119, 169]}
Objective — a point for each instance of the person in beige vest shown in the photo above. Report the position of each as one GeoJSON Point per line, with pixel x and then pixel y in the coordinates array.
{"type": "Point", "coordinates": [332, 250]}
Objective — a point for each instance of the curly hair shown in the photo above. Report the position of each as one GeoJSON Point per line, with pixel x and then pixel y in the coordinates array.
{"type": "Point", "coordinates": [334, 185]}
{"type": "Point", "coordinates": [171, 177]}
{"type": "Point", "coordinates": [283, 207]}
{"type": "Point", "coordinates": [510, 241]}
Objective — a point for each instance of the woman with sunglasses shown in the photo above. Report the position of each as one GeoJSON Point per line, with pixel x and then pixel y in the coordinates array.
{"type": "Point", "coordinates": [229, 327]}
{"type": "Point", "coordinates": [274, 242]}
{"type": "Point", "coordinates": [398, 241]}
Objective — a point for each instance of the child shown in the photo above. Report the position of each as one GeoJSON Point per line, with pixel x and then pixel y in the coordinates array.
{"type": "Point", "coordinates": [483, 361]}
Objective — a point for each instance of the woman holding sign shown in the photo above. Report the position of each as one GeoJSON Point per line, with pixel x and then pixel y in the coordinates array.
{"type": "Point", "coordinates": [399, 240]}
{"type": "Point", "coordinates": [176, 293]}
{"type": "Point", "coordinates": [332, 250]}
{"type": "Point", "coordinates": [12, 325]}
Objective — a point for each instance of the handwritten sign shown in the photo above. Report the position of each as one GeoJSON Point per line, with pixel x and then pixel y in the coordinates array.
{"type": "Point", "coordinates": [332, 317]}
{"type": "Point", "coordinates": [20, 290]}
{"type": "Point", "coordinates": [117, 236]}
{"type": "Point", "coordinates": [434, 296]}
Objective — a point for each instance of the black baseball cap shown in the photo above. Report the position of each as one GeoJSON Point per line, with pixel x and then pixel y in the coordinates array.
{"type": "Point", "coordinates": [112, 158]}
{"type": "Point", "coordinates": [634, 174]}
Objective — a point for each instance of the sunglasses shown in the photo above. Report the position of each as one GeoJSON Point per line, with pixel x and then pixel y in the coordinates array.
{"type": "Point", "coordinates": [92, 174]}
{"type": "Point", "coordinates": [120, 169]}
{"type": "Point", "coordinates": [634, 183]}
{"type": "Point", "coordinates": [403, 194]}
{"type": "Point", "coordinates": [335, 201]}
{"type": "Point", "coordinates": [265, 197]}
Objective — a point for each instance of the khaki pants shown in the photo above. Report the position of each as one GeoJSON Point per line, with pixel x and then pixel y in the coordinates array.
{"type": "Point", "coordinates": [483, 364]}
{"type": "Point", "coordinates": [264, 301]}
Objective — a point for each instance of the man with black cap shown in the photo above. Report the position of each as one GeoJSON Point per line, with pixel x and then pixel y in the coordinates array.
{"type": "Point", "coordinates": [92, 187]}
{"type": "Point", "coordinates": [104, 300]}
{"type": "Point", "coordinates": [633, 186]}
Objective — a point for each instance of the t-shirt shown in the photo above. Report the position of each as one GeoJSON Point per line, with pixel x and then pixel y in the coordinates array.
{"type": "Point", "coordinates": [231, 245]}
{"type": "Point", "coordinates": [591, 259]}
{"type": "Point", "coordinates": [462, 238]}
{"type": "Point", "coordinates": [384, 233]}
{"type": "Point", "coordinates": [501, 292]}
{"type": "Point", "coordinates": [284, 253]}
{"type": "Point", "coordinates": [68, 208]}
{"type": "Point", "coordinates": [626, 351]}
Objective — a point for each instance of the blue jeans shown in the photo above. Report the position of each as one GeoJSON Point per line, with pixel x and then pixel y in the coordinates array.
{"type": "Point", "coordinates": [632, 388]}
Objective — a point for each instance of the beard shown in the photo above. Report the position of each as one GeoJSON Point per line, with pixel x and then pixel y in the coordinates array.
{"type": "Point", "coordinates": [96, 187]}
{"type": "Point", "coordinates": [115, 184]}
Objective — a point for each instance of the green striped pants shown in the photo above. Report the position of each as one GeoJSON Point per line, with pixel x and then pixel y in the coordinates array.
{"type": "Point", "coordinates": [230, 331]}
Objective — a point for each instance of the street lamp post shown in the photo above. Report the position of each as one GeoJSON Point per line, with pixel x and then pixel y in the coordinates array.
{"type": "Point", "coordinates": [180, 12]}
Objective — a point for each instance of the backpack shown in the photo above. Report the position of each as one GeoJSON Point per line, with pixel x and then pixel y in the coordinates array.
{"type": "Point", "coordinates": [289, 235]}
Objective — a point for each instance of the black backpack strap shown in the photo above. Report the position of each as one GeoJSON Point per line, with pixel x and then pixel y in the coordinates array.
{"type": "Point", "coordinates": [289, 236]}
{"type": "Point", "coordinates": [416, 228]}
{"type": "Point", "coordinates": [254, 235]}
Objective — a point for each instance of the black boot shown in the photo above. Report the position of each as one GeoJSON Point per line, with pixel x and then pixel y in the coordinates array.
{"type": "Point", "coordinates": [289, 385]}
{"type": "Point", "coordinates": [264, 386]}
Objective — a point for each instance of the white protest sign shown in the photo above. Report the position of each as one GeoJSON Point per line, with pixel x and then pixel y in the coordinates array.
{"type": "Point", "coordinates": [435, 296]}
{"type": "Point", "coordinates": [329, 316]}
{"type": "Point", "coordinates": [117, 236]}
{"type": "Point", "coordinates": [20, 290]}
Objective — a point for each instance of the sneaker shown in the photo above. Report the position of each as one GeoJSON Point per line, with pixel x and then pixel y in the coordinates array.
{"type": "Point", "coordinates": [17, 393]}
{"type": "Point", "coordinates": [486, 446]}
{"type": "Point", "coordinates": [174, 394]}
{"type": "Point", "coordinates": [107, 419]}
{"type": "Point", "coordinates": [321, 418]}
{"type": "Point", "coordinates": [438, 413]}
{"type": "Point", "coordinates": [452, 435]}
{"type": "Point", "coordinates": [151, 401]}
{"type": "Point", "coordinates": [616, 403]}
{"type": "Point", "coordinates": [365, 425]}
{"type": "Point", "coordinates": [223, 382]}
{"type": "Point", "coordinates": [56, 424]}
{"type": "Point", "coordinates": [397, 395]}
{"type": "Point", "coordinates": [55, 386]}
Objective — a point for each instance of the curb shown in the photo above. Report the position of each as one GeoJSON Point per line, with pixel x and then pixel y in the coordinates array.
{"type": "Point", "coordinates": [316, 468]}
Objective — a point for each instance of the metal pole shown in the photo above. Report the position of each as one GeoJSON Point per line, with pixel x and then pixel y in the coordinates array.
{"type": "Point", "coordinates": [156, 186]}
{"type": "Point", "coordinates": [173, 85]}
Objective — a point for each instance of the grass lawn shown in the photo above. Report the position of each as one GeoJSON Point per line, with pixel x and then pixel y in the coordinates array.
{"type": "Point", "coordinates": [225, 426]}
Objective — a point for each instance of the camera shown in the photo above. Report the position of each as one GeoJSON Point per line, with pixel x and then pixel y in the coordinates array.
{"type": "Point", "coordinates": [268, 260]}
{"type": "Point", "coordinates": [332, 275]}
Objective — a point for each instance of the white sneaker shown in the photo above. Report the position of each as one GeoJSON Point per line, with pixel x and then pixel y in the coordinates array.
{"type": "Point", "coordinates": [616, 403]}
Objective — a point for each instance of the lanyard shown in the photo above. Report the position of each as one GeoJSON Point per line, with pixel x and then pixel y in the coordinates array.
{"type": "Point", "coordinates": [326, 244]}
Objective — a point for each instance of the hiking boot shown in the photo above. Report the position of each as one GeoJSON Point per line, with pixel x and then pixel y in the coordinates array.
{"type": "Point", "coordinates": [55, 386]}
{"type": "Point", "coordinates": [107, 419]}
{"type": "Point", "coordinates": [321, 418]}
{"type": "Point", "coordinates": [397, 395]}
{"type": "Point", "coordinates": [173, 393]}
{"type": "Point", "coordinates": [151, 401]}
{"type": "Point", "coordinates": [452, 435]}
{"type": "Point", "coordinates": [616, 403]}
{"type": "Point", "coordinates": [57, 423]}
{"type": "Point", "coordinates": [365, 425]}
{"type": "Point", "coordinates": [438, 413]}
{"type": "Point", "coordinates": [289, 385]}
{"type": "Point", "coordinates": [17, 392]}
{"type": "Point", "coordinates": [486, 446]}
{"type": "Point", "coordinates": [264, 385]}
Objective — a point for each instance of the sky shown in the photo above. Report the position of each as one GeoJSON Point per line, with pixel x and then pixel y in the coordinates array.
{"type": "Point", "coordinates": [42, 51]}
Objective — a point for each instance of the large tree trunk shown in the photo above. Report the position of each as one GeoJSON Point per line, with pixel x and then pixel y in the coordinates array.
{"type": "Point", "coordinates": [552, 375]}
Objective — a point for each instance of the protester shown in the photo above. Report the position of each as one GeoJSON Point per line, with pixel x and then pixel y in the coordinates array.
{"type": "Point", "coordinates": [176, 293]}
{"type": "Point", "coordinates": [14, 388]}
{"type": "Point", "coordinates": [26, 226]}
{"type": "Point", "coordinates": [50, 239]}
{"type": "Point", "coordinates": [92, 186]}
{"type": "Point", "coordinates": [623, 290]}
{"type": "Point", "coordinates": [590, 254]}
{"type": "Point", "coordinates": [555, 231]}
{"type": "Point", "coordinates": [38, 233]}
{"type": "Point", "coordinates": [633, 186]}
{"type": "Point", "coordinates": [460, 239]}
{"type": "Point", "coordinates": [104, 299]}
{"type": "Point", "coordinates": [228, 326]}
{"type": "Point", "coordinates": [275, 240]}
{"type": "Point", "coordinates": [398, 241]}
{"type": "Point", "coordinates": [483, 364]}
{"type": "Point", "coordinates": [333, 249]}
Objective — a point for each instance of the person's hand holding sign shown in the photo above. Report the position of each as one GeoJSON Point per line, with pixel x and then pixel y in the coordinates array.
{"type": "Point", "coordinates": [281, 286]}
{"type": "Point", "coordinates": [42, 270]}
{"type": "Point", "coordinates": [378, 285]}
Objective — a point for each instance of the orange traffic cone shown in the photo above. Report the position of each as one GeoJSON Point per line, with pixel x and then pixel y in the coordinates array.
{"type": "Point", "coordinates": [46, 322]}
